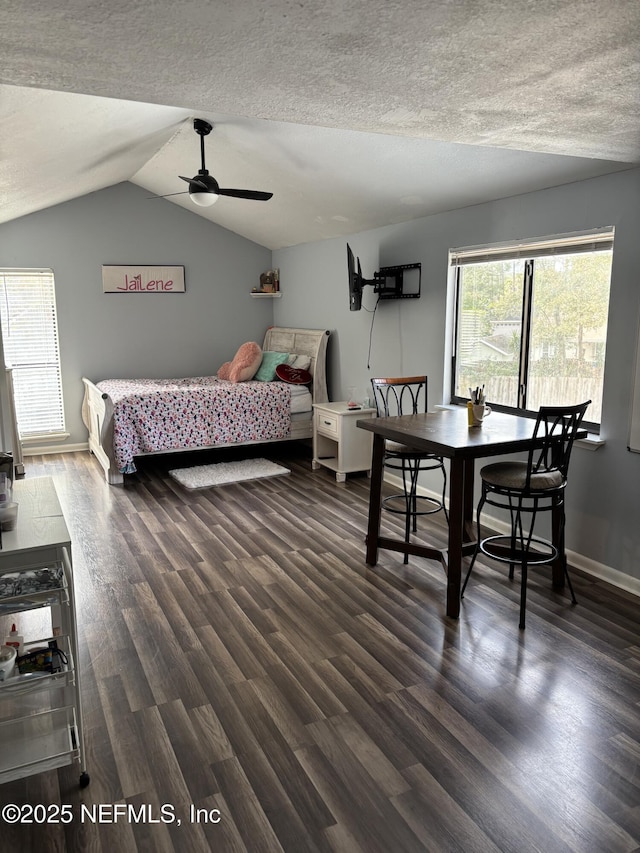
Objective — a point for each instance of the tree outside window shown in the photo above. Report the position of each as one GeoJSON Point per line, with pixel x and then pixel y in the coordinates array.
{"type": "Point", "coordinates": [533, 330]}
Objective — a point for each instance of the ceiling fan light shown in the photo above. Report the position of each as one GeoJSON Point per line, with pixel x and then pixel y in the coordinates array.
{"type": "Point", "coordinates": [203, 199]}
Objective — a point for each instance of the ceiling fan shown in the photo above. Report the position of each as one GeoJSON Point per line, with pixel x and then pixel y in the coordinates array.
{"type": "Point", "coordinates": [204, 190]}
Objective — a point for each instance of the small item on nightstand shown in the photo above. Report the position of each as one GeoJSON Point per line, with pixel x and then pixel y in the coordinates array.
{"type": "Point", "coordinates": [352, 403]}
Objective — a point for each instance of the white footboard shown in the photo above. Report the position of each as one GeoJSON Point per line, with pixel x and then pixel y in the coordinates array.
{"type": "Point", "coordinates": [97, 414]}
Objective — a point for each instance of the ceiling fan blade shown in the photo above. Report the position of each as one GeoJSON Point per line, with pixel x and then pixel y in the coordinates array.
{"type": "Point", "coordinates": [203, 182]}
{"type": "Point", "coordinates": [168, 195]}
{"type": "Point", "coordinates": [256, 195]}
{"type": "Point", "coordinates": [196, 181]}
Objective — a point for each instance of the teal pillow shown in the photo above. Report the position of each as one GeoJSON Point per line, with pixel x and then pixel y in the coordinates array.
{"type": "Point", "coordinates": [270, 360]}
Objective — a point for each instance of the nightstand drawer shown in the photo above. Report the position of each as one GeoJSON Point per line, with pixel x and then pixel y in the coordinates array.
{"type": "Point", "coordinates": [327, 423]}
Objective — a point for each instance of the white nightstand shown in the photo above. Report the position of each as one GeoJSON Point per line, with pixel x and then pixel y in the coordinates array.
{"type": "Point", "coordinates": [338, 443]}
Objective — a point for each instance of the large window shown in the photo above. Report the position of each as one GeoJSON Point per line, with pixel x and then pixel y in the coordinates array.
{"type": "Point", "coordinates": [30, 342]}
{"type": "Point", "coordinates": [531, 322]}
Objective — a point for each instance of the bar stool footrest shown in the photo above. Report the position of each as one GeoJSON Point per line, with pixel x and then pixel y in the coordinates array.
{"type": "Point", "coordinates": [499, 548]}
{"type": "Point", "coordinates": [434, 504]}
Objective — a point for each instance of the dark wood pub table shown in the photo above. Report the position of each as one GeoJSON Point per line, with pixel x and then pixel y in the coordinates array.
{"type": "Point", "coordinates": [446, 433]}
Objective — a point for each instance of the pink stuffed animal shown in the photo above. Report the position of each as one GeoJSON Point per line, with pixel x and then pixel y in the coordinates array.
{"type": "Point", "coordinates": [225, 370]}
{"type": "Point", "coordinates": [244, 365]}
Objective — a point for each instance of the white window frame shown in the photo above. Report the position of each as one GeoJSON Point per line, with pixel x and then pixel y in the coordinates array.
{"type": "Point", "coordinates": [31, 349]}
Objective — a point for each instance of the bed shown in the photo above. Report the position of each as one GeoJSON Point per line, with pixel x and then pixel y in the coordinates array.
{"type": "Point", "coordinates": [138, 417]}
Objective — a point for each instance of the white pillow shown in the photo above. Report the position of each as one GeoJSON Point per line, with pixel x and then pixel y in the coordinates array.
{"type": "Point", "coordinates": [302, 362]}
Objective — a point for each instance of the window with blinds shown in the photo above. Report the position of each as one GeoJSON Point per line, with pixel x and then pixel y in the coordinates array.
{"type": "Point", "coordinates": [531, 322]}
{"type": "Point", "coordinates": [30, 342]}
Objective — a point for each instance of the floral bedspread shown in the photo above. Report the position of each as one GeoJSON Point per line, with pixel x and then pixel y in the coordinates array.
{"type": "Point", "coordinates": [166, 414]}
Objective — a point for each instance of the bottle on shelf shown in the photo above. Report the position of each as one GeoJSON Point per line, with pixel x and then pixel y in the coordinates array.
{"type": "Point", "coordinates": [14, 639]}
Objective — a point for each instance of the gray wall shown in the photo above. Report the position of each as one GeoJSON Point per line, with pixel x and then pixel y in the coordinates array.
{"type": "Point", "coordinates": [112, 335]}
{"type": "Point", "coordinates": [136, 334]}
{"type": "Point", "coordinates": [411, 336]}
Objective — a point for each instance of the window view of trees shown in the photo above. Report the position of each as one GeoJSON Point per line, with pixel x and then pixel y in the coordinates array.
{"type": "Point", "coordinates": [550, 354]}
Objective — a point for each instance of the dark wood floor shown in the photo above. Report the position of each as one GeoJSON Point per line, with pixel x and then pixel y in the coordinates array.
{"type": "Point", "coordinates": [238, 655]}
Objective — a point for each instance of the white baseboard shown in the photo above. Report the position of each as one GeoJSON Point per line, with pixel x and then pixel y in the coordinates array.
{"type": "Point", "coordinates": [48, 449]}
{"type": "Point", "coordinates": [585, 564]}
{"type": "Point", "coordinates": [598, 571]}
{"type": "Point", "coordinates": [595, 570]}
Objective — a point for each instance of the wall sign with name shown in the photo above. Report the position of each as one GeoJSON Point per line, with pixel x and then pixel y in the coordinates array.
{"type": "Point", "coordinates": [125, 279]}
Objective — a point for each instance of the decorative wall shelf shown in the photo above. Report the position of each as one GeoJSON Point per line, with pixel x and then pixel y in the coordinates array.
{"type": "Point", "coordinates": [265, 295]}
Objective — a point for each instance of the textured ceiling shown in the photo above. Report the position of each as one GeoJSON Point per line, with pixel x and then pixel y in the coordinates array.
{"type": "Point", "coordinates": [354, 114]}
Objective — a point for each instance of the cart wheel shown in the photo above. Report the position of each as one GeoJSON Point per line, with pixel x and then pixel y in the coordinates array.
{"type": "Point", "coordinates": [84, 779]}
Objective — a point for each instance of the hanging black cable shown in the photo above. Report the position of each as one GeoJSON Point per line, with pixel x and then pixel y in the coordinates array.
{"type": "Point", "coordinates": [373, 317]}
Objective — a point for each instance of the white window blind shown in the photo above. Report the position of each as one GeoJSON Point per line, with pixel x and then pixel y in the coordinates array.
{"type": "Point", "coordinates": [30, 341]}
{"type": "Point", "coordinates": [600, 239]}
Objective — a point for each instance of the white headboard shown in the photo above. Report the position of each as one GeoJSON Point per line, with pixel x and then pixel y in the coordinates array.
{"type": "Point", "coordinates": [311, 342]}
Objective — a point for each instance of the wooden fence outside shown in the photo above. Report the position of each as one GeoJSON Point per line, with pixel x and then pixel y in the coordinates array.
{"type": "Point", "coordinates": [554, 390]}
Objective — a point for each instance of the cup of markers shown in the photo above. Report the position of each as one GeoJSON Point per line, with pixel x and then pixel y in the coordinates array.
{"type": "Point", "coordinates": [477, 409]}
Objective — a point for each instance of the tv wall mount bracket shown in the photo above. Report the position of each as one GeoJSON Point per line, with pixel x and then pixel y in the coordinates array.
{"type": "Point", "coordinates": [396, 273]}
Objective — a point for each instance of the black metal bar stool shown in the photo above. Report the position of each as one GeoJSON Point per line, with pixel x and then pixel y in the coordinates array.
{"type": "Point", "coordinates": [528, 488]}
{"type": "Point", "coordinates": [408, 396]}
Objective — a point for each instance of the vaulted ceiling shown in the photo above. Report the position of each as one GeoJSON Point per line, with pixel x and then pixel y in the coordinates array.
{"type": "Point", "coordinates": [354, 113]}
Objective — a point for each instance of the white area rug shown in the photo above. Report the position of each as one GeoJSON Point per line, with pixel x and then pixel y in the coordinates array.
{"type": "Point", "coordinates": [223, 473]}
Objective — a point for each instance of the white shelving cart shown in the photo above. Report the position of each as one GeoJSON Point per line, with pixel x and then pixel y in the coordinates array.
{"type": "Point", "coordinates": [40, 711]}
